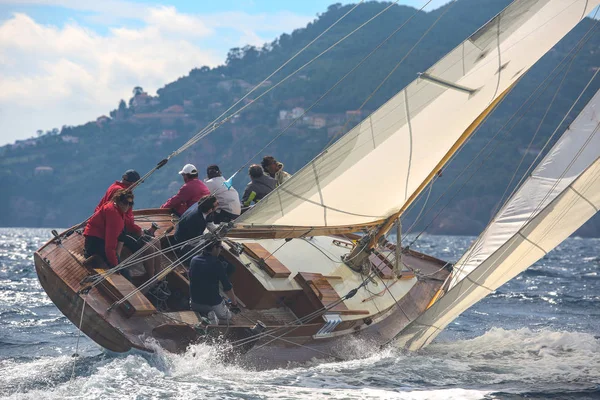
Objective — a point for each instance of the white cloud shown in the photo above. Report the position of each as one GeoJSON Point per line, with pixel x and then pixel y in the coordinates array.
{"type": "Point", "coordinates": [51, 76]}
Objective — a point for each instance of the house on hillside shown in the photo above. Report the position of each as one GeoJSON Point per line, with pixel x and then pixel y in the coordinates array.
{"type": "Point", "coordinates": [297, 112]}
{"type": "Point", "coordinates": [43, 170]}
{"type": "Point", "coordinates": [284, 114]}
{"type": "Point", "coordinates": [140, 100]}
{"type": "Point", "coordinates": [168, 134]}
{"type": "Point", "coordinates": [70, 139]}
{"type": "Point", "coordinates": [230, 84]}
{"type": "Point", "coordinates": [354, 115]}
{"type": "Point", "coordinates": [19, 144]}
{"type": "Point", "coordinates": [175, 109]}
{"type": "Point", "coordinates": [317, 123]}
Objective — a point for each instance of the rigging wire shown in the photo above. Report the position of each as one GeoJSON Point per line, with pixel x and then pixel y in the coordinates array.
{"type": "Point", "coordinates": [344, 78]}
{"type": "Point", "coordinates": [196, 137]}
{"type": "Point", "coordinates": [207, 130]}
{"type": "Point", "coordinates": [213, 125]}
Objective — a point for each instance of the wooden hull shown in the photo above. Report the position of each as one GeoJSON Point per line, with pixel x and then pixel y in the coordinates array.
{"type": "Point", "coordinates": [268, 293]}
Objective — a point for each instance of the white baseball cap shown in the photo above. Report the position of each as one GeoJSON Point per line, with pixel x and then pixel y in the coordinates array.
{"type": "Point", "coordinates": [188, 169]}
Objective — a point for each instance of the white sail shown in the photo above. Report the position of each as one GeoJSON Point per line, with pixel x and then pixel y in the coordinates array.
{"type": "Point", "coordinates": [562, 193]}
{"type": "Point", "coordinates": [573, 153]}
{"type": "Point", "coordinates": [373, 171]}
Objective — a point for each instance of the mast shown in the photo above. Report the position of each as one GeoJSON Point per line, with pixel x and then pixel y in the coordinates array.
{"type": "Point", "coordinates": [385, 227]}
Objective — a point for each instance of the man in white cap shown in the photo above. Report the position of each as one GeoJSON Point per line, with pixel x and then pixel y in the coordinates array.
{"type": "Point", "coordinates": [192, 190]}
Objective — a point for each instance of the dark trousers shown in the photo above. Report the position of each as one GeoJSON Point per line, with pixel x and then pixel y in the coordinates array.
{"type": "Point", "coordinates": [224, 216]}
{"type": "Point", "coordinates": [95, 246]}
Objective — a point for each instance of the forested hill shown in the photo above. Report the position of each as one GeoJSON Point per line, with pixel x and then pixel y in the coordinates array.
{"type": "Point", "coordinates": [57, 178]}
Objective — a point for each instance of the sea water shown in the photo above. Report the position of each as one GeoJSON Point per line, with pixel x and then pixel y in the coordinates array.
{"type": "Point", "coordinates": [535, 338]}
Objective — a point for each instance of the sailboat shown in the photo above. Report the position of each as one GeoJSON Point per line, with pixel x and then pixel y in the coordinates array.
{"type": "Point", "coordinates": [313, 264]}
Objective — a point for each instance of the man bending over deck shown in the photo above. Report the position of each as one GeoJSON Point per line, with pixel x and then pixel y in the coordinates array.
{"type": "Point", "coordinates": [206, 272]}
{"type": "Point", "coordinates": [193, 222]}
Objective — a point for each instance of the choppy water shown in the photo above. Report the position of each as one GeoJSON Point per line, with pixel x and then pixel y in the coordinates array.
{"type": "Point", "coordinates": [533, 338]}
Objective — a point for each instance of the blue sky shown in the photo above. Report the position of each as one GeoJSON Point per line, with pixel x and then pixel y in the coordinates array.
{"type": "Point", "coordinates": [66, 62]}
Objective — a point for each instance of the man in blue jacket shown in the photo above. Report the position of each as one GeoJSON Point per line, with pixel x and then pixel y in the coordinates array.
{"type": "Point", "coordinates": [206, 272]}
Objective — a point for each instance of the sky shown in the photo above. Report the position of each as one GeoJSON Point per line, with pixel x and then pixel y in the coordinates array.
{"type": "Point", "coordinates": [66, 62]}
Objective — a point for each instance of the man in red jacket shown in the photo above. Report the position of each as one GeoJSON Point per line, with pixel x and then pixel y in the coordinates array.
{"type": "Point", "coordinates": [130, 177]}
{"type": "Point", "coordinates": [104, 228]}
{"type": "Point", "coordinates": [192, 190]}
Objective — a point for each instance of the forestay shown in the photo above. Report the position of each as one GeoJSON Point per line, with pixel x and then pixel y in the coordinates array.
{"type": "Point", "coordinates": [562, 193]}
{"type": "Point", "coordinates": [375, 169]}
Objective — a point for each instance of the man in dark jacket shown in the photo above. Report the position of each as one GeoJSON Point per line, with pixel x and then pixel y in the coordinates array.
{"type": "Point", "coordinates": [206, 272]}
{"type": "Point", "coordinates": [260, 185]}
{"type": "Point", "coordinates": [193, 222]}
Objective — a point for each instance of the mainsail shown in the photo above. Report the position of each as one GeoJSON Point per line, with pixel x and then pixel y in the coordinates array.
{"type": "Point", "coordinates": [561, 194]}
{"type": "Point", "coordinates": [378, 168]}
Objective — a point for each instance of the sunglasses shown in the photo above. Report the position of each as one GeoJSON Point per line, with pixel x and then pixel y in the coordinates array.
{"type": "Point", "coordinates": [130, 203]}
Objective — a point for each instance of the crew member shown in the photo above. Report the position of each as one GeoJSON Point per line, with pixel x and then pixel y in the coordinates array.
{"type": "Point", "coordinates": [275, 169]}
{"type": "Point", "coordinates": [193, 189]}
{"type": "Point", "coordinates": [194, 221]}
{"type": "Point", "coordinates": [105, 227]}
{"type": "Point", "coordinates": [229, 200]}
{"type": "Point", "coordinates": [206, 272]}
{"type": "Point", "coordinates": [259, 186]}
{"type": "Point", "coordinates": [132, 231]}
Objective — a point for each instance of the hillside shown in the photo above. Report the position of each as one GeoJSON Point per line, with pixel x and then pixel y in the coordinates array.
{"type": "Point", "coordinates": [57, 178]}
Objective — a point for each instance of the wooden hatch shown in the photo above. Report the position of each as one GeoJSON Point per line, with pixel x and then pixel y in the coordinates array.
{"type": "Point", "coordinates": [267, 261]}
{"type": "Point", "coordinates": [321, 294]}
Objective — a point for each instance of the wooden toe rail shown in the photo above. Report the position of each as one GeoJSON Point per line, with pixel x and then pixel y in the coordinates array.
{"type": "Point", "coordinates": [321, 294]}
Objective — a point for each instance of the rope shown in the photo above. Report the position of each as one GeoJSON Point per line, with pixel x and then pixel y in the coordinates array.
{"type": "Point", "coordinates": [76, 354]}
{"type": "Point", "coordinates": [300, 321]}
{"type": "Point", "coordinates": [162, 273]}
{"type": "Point", "coordinates": [298, 344]}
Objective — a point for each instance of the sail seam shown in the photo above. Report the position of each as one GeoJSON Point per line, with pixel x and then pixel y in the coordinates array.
{"type": "Point", "coordinates": [528, 240]}
{"type": "Point", "coordinates": [314, 167]}
{"type": "Point", "coordinates": [584, 10]}
{"type": "Point", "coordinates": [330, 208]}
{"type": "Point", "coordinates": [410, 136]}
{"type": "Point", "coordinates": [584, 198]}
{"type": "Point", "coordinates": [467, 277]}
{"type": "Point", "coordinates": [499, 59]}
{"type": "Point", "coordinates": [372, 131]}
